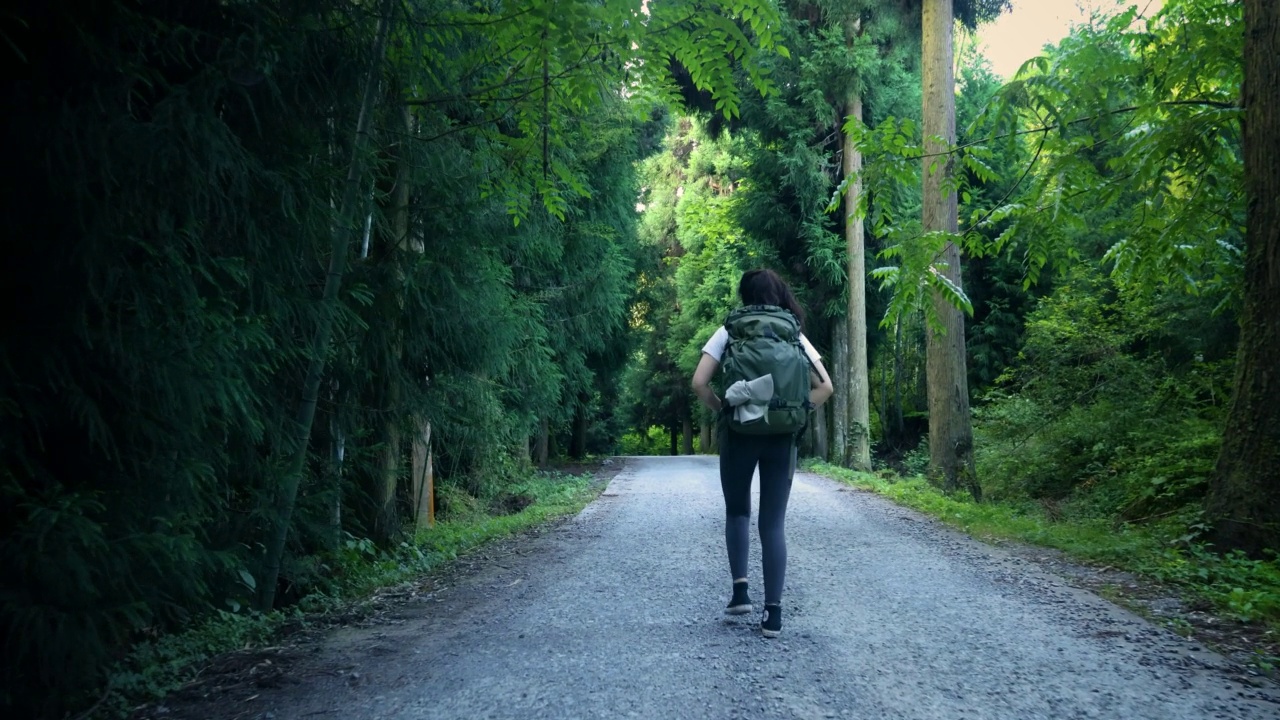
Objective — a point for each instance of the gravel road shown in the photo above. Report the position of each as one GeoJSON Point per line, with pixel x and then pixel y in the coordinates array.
{"type": "Point", "coordinates": [617, 613]}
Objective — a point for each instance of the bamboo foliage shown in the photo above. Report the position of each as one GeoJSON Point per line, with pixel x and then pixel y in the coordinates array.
{"type": "Point", "coordinates": [271, 312]}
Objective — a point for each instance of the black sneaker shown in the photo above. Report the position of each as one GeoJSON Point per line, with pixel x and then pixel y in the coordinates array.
{"type": "Point", "coordinates": [741, 602]}
{"type": "Point", "coordinates": [771, 623]}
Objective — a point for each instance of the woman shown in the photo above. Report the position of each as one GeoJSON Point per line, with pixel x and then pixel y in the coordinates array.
{"type": "Point", "coordinates": [741, 453]}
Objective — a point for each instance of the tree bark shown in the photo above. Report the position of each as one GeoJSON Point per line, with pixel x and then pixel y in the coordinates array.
{"type": "Point", "coordinates": [423, 484]}
{"type": "Point", "coordinates": [840, 398]}
{"type": "Point", "coordinates": [287, 492]}
{"type": "Point", "coordinates": [899, 428]}
{"type": "Point", "coordinates": [821, 432]}
{"type": "Point", "coordinates": [1244, 493]}
{"type": "Point", "coordinates": [687, 435]}
{"type": "Point", "coordinates": [542, 445]}
{"type": "Point", "coordinates": [882, 408]}
{"type": "Point", "coordinates": [578, 440]}
{"type": "Point", "coordinates": [950, 431]}
{"type": "Point", "coordinates": [326, 435]}
{"type": "Point", "coordinates": [387, 521]}
{"type": "Point", "coordinates": [339, 455]}
{"type": "Point", "coordinates": [704, 437]}
{"type": "Point", "coordinates": [858, 428]}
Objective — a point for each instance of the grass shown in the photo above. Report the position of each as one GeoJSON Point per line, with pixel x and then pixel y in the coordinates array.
{"type": "Point", "coordinates": [156, 667]}
{"type": "Point", "coordinates": [554, 496]}
{"type": "Point", "coordinates": [366, 568]}
{"type": "Point", "coordinates": [1091, 540]}
{"type": "Point", "coordinates": [1237, 587]}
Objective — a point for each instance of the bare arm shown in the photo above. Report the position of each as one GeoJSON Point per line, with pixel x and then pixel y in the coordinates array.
{"type": "Point", "coordinates": [707, 367]}
{"type": "Point", "coordinates": [820, 384]}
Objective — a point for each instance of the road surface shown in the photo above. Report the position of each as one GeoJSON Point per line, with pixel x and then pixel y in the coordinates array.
{"type": "Point", "coordinates": [618, 613]}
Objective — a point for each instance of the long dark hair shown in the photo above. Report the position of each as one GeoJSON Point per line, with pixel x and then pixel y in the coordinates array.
{"type": "Point", "coordinates": [765, 287]}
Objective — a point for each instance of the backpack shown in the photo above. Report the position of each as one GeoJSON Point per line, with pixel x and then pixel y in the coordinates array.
{"type": "Point", "coordinates": [763, 340]}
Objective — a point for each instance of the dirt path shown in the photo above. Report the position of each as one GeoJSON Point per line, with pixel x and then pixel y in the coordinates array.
{"type": "Point", "coordinates": [617, 613]}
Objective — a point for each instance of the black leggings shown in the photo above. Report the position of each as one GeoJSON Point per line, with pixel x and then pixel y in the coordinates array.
{"type": "Point", "coordinates": [776, 456]}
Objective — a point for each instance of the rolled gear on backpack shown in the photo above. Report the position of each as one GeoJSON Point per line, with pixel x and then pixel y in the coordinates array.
{"type": "Point", "coordinates": [750, 398]}
{"type": "Point", "coordinates": [765, 340]}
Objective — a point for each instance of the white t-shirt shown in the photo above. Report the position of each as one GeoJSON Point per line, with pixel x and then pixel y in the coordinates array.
{"type": "Point", "coordinates": [720, 340]}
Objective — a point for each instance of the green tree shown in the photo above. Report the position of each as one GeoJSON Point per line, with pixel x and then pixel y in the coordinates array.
{"type": "Point", "coordinates": [1153, 113]}
{"type": "Point", "coordinates": [1244, 496]}
{"type": "Point", "coordinates": [290, 230]}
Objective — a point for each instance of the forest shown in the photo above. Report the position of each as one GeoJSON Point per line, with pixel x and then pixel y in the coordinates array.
{"type": "Point", "coordinates": [299, 287]}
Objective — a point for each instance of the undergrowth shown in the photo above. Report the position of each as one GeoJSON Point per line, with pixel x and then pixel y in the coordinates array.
{"type": "Point", "coordinates": [1235, 586]}
{"type": "Point", "coordinates": [654, 441]}
{"type": "Point", "coordinates": [160, 665]}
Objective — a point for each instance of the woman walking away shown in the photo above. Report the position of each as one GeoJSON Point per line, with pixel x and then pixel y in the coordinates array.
{"type": "Point", "coordinates": [772, 377]}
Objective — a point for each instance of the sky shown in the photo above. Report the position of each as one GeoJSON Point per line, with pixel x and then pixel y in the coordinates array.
{"type": "Point", "coordinates": [1019, 35]}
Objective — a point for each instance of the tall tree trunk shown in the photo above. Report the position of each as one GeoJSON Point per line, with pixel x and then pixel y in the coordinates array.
{"type": "Point", "coordinates": [918, 370]}
{"type": "Point", "coordinates": [858, 453]}
{"type": "Point", "coordinates": [339, 456]}
{"type": "Point", "coordinates": [423, 483]}
{"type": "Point", "coordinates": [821, 432]}
{"type": "Point", "coordinates": [686, 432]}
{"type": "Point", "coordinates": [899, 427]}
{"type": "Point", "coordinates": [883, 406]}
{"type": "Point", "coordinates": [704, 436]}
{"type": "Point", "coordinates": [325, 435]}
{"type": "Point", "coordinates": [386, 520]}
{"type": "Point", "coordinates": [674, 432]}
{"type": "Point", "coordinates": [287, 492]}
{"type": "Point", "coordinates": [950, 430]}
{"type": "Point", "coordinates": [542, 446]}
{"type": "Point", "coordinates": [840, 399]}
{"type": "Point", "coordinates": [1244, 493]}
{"type": "Point", "coordinates": [387, 525]}
{"type": "Point", "coordinates": [578, 440]}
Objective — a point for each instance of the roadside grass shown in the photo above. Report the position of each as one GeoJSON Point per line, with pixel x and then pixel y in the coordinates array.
{"type": "Point", "coordinates": [364, 569]}
{"type": "Point", "coordinates": [158, 666]}
{"type": "Point", "coordinates": [1233, 585]}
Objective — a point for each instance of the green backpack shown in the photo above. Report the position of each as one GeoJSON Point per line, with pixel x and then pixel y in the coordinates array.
{"type": "Point", "coordinates": [765, 339]}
